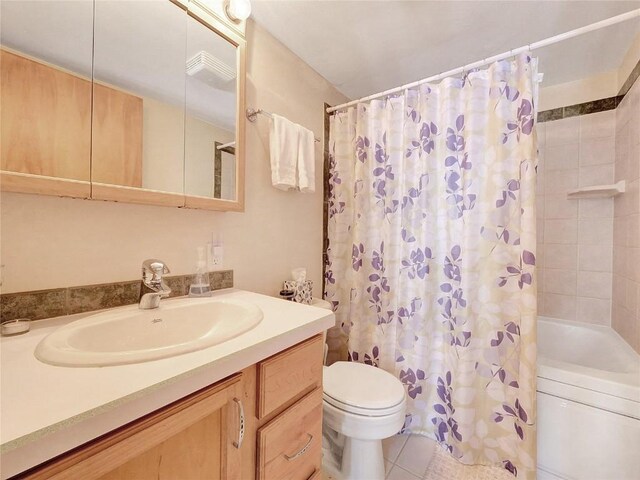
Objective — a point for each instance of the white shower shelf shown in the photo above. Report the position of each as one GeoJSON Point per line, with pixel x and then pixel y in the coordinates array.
{"type": "Point", "coordinates": [598, 191]}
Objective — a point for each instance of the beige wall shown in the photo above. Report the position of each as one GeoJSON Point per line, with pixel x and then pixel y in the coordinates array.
{"type": "Point", "coordinates": [228, 176]}
{"type": "Point", "coordinates": [163, 146]}
{"type": "Point", "coordinates": [629, 62]}
{"type": "Point", "coordinates": [178, 151]}
{"type": "Point", "coordinates": [575, 237]}
{"type": "Point", "coordinates": [199, 156]}
{"type": "Point", "coordinates": [626, 225]}
{"type": "Point", "coordinates": [53, 242]}
{"type": "Point", "coordinates": [604, 85]}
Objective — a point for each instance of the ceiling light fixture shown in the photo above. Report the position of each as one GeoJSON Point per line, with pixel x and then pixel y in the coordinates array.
{"type": "Point", "coordinates": [237, 10]}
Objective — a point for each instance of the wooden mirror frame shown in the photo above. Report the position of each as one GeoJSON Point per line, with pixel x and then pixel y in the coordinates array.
{"type": "Point", "coordinates": [199, 11]}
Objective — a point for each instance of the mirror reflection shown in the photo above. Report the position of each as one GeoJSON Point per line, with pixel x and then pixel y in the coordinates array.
{"type": "Point", "coordinates": [139, 95]}
{"type": "Point", "coordinates": [46, 88]}
{"type": "Point", "coordinates": [132, 94]}
{"type": "Point", "coordinates": [224, 176]}
{"type": "Point", "coordinates": [210, 114]}
{"type": "Point", "coordinates": [164, 93]}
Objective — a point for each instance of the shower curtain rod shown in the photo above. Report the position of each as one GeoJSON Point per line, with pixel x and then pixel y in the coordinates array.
{"type": "Point", "coordinates": [532, 46]}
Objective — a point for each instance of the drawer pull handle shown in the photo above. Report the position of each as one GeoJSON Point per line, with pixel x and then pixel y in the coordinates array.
{"type": "Point", "coordinates": [302, 450]}
{"type": "Point", "coordinates": [238, 444]}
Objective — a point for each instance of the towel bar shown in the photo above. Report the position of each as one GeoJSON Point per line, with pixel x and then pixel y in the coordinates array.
{"type": "Point", "coordinates": [252, 114]}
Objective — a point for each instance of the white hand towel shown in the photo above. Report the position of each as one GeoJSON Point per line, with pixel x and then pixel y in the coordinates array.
{"type": "Point", "coordinates": [283, 141]}
{"type": "Point", "coordinates": [306, 161]}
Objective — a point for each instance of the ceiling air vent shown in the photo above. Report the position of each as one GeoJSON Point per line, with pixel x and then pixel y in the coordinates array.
{"type": "Point", "coordinates": [210, 70]}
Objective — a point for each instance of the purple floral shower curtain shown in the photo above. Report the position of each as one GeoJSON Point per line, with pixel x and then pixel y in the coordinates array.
{"type": "Point", "coordinates": [432, 255]}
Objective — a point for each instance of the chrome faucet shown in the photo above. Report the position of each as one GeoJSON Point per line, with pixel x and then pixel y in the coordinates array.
{"type": "Point", "coordinates": [153, 287]}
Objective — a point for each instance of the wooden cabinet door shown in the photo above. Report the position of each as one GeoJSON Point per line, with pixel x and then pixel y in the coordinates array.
{"type": "Point", "coordinates": [116, 152]}
{"type": "Point", "coordinates": [197, 437]}
{"type": "Point", "coordinates": [290, 445]}
{"type": "Point", "coordinates": [45, 117]}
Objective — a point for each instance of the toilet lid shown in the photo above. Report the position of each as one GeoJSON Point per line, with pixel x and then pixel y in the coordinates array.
{"type": "Point", "coordinates": [362, 389]}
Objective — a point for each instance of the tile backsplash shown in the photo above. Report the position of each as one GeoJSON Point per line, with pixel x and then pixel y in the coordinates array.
{"type": "Point", "coordinates": [40, 304]}
{"type": "Point", "coordinates": [575, 237]}
{"type": "Point", "coordinates": [626, 223]}
{"type": "Point", "coordinates": [589, 249]}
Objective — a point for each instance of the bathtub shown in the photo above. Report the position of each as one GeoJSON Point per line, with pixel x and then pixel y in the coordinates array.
{"type": "Point", "coordinates": [588, 403]}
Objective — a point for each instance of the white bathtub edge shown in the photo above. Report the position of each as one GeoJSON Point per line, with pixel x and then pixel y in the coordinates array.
{"type": "Point", "coordinates": [592, 398]}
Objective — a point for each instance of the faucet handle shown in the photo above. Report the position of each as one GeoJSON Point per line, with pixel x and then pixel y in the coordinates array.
{"type": "Point", "coordinates": [156, 266]}
{"type": "Point", "coordinates": [152, 271]}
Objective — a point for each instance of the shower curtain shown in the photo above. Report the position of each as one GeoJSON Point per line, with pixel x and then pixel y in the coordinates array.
{"type": "Point", "coordinates": [432, 252]}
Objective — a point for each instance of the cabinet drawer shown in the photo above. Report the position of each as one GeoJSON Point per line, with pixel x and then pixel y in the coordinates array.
{"type": "Point", "coordinates": [288, 374]}
{"type": "Point", "coordinates": [290, 445]}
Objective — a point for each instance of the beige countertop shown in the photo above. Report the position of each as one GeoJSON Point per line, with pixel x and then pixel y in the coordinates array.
{"type": "Point", "coordinates": [46, 410]}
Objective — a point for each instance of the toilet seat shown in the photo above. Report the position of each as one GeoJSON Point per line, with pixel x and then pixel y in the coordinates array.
{"type": "Point", "coordinates": [366, 412]}
{"type": "Point", "coordinates": [361, 389]}
{"type": "Point", "coordinates": [362, 405]}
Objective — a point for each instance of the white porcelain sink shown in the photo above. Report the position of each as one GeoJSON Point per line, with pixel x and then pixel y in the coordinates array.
{"type": "Point", "coordinates": [131, 335]}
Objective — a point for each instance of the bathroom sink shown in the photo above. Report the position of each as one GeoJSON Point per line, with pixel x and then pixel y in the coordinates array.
{"type": "Point", "coordinates": [131, 335]}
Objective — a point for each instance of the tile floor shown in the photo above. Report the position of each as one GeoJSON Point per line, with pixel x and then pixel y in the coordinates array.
{"type": "Point", "coordinates": [407, 456]}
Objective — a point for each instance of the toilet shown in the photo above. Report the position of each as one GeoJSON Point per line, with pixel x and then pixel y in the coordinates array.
{"type": "Point", "coordinates": [362, 405]}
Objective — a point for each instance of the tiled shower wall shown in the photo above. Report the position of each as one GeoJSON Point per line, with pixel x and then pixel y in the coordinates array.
{"type": "Point", "coordinates": [626, 224]}
{"type": "Point", "coordinates": [575, 237]}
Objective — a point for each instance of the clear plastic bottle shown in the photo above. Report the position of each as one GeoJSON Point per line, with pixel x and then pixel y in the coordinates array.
{"type": "Point", "coordinates": [200, 286]}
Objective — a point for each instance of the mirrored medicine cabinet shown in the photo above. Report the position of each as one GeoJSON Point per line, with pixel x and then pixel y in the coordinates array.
{"type": "Point", "coordinates": [129, 101]}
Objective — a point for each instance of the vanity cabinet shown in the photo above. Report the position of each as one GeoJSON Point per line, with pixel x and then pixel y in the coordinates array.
{"type": "Point", "coordinates": [290, 445]}
{"type": "Point", "coordinates": [288, 375]}
{"type": "Point", "coordinates": [289, 438]}
{"type": "Point", "coordinates": [219, 432]}
{"type": "Point", "coordinates": [195, 437]}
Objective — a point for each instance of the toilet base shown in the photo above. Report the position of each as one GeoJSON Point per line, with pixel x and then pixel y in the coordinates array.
{"type": "Point", "coordinates": [361, 459]}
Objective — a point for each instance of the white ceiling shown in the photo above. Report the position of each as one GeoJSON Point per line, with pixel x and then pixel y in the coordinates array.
{"type": "Point", "coordinates": [363, 47]}
{"type": "Point", "coordinates": [140, 46]}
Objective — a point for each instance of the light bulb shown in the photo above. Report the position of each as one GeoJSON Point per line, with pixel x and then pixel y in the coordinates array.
{"type": "Point", "coordinates": [238, 10]}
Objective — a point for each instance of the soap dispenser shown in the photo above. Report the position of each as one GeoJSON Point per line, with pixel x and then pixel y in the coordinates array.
{"type": "Point", "coordinates": [200, 286]}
